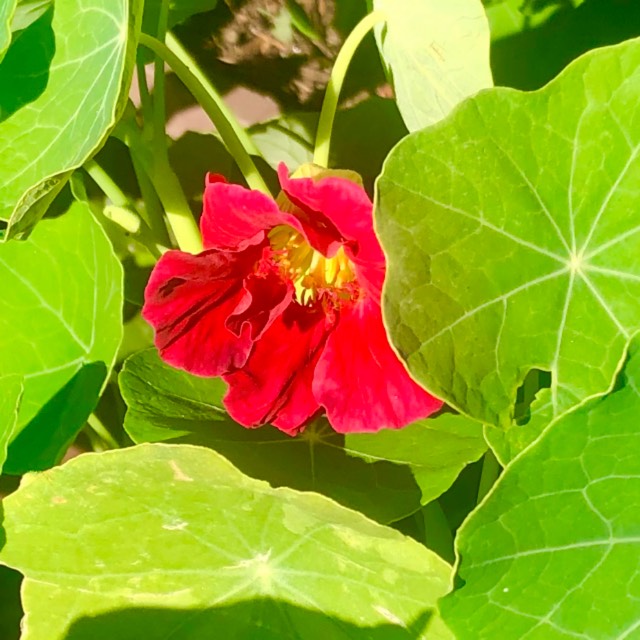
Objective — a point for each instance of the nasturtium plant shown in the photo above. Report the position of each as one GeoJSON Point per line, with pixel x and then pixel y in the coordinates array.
{"type": "Point", "coordinates": [213, 552]}
{"type": "Point", "coordinates": [554, 550]}
{"type": "Point", "coordinates": [308, 330]}
{"type": "Point", "coordinates": [168, 405]}
{"type": "Point", "coordinates": [437, 54]}
{"type": "Point", "coordinates": [67, 71]}
{"type": "Point", "coordinates": [478, 296]}
{"type": "Point", "coordinates": [61, 328]}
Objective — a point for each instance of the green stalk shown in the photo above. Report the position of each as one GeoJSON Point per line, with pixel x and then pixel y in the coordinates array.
{"type": "Point", "coordinates": [106, 184]}
{"type": "Point", "coordinates": [233, 135]}
{"type": "Point", "coordinates": [159, 110]}
{"type": "Point", "coordinates": [490, 471]}
{"type": "Point", "coordinates": [102, 432]}
{"type": "Point", "coordinates": [153, 214]}
{"type": "Point", "coordinates": [332, 94]}
{"type": "Point", "coordinates": [120, 211]}
{"type": "Point", "coordinates": [437, 533]}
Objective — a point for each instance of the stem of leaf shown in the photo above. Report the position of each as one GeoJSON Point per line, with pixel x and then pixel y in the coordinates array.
{"type": "Point", "coordinates": [489, 474]}
{"type": "Point", "coordinates": [120, 211]}
{"type": "Point", "coordinates": [143, 88]}
{"type": "Point", "coordinates": [437, 531]}
{"type": "Point", "coordinates": [102, 432]}
{"type": "Point", "coordinates": [152, 205]}
{"type": "Point", "coordinates": [332, 94]}
{"type": "Point", "coordinates": [106, 183]}
{"type": "Point", "coordinates": [159, 110]}
{"type": "Point", "coordinates": [233, 135]}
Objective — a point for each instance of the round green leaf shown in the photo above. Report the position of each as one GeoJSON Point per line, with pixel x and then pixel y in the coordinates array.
{"type": "Point", "coordinates": [554, 550]}
{"type": "Point", "coordinates": [437, 52]}
{"type": "Point", "coordinates": [436, 450]}
{"type": "Point", "coordinates": [66, 74]}
{"type": "Point", "coordinates": [162, 540]}
{"type": "Point", "coordinates": [60, 328]}
{"type": "Point", "coordinates": [167, 404]}
{"type": "Point", "coordinates": [513, 240]}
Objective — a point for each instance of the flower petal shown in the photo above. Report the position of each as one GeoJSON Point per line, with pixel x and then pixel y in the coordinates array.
{"type": "Point", "coordinates": [234, 218]}
{"type": "Point", "coordinates": [360, 380]}
{"type": "Point", "coordinates": [334, 211]}
{"type": "Point", "coordinates": [188, 300]}
{"type": "Point", "coordinates": [274, 386]}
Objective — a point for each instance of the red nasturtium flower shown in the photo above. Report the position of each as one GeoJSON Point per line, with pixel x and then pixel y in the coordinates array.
{"type": "Point", "coordinates": [284, 304]}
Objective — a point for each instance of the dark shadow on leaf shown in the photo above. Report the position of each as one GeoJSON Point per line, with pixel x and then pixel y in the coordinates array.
{"type": "Point", "coordinates": [43, 442]}
{"type": "Point", "coordinates": [259, 619]}
{"type": "Point", "coordinates": [24, 72]}
{"type": "Point", "coordinates": [531, 58]}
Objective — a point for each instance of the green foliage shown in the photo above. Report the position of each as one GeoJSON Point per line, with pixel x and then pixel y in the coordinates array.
{"type": "Point", "coordinates": [489, 278]}
{"type": "Point", "coordinates": [60, 329]}
{"type": "Point", "coordinates": [179, 530]}
{"type": "Point", "coordinates": [66, 96]}
{"type": "Point", "coordinates": [554, 550]}
{"type": "Point", "coordinates": [7, 9]}
{"type": "Point", "coordinates": [437, 52]}
{"type": "Point", "coordinates": [436, 449]}
{"type": "Point", "coordinates": [11, 388]}
{"type": "Point", "coordinates": [166, 404]}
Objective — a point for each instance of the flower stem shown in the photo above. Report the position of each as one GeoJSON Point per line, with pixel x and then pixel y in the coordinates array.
{"type": "Point", "coordinates": [159, 109]}
{"type": "Point", "coordinates": [437, 531]}
{"type": "Point", "coordinates": [233, 135]}
{"type": "Point", "coordinates": [332, 94]}
{"type": "Point", "coordinates": [153, 159]}
{"type": "Point", "coordinates": [102, 432]}
{"type": "Point", "coordinates": [106, 183]}
{"type": "Point", "coordinates": [489, 474]}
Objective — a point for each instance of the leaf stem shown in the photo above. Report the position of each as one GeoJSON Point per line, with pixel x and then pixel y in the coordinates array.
{"type": "Point", "coordinates": [103, 433]}
{"type": "Point", "coordinates": [106, 184]}
{"type": "Point", "coordinates": [332, 94]}
{"type": "Point", "coordinates": [120, 211]}
{"type": "Point", "coordinates": [233, 135]}
{"type": "Point", "coordinates": [490, 471]}
{"type": "Point", "coordinates": [437, 531]}
{"type": "Point", "coordinates": [159, 103]}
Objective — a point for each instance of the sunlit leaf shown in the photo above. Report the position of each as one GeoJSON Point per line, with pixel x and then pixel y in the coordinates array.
{"type": "Point", "coordinates": [437, 52]}
{"type": "Point", "coordinates": [7, 9]}
{"type": "Point", "coordinates": [11, 388]}
{"type": "Point", "coordinates": [160, 539]}
{"type": "Point", "coordinates": [513, 240]}
{"type": "Point", "coordinates": [60, 328]}
{"type": "Point", "coordinates": [554, 551]}
{"type": "Point", "coordinates": [66, 73]}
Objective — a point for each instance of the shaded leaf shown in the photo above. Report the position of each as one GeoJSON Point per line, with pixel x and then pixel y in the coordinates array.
{"type": "Point", "coordinates": [513, 240]}
{"type": "Point", "coordinates": [67, 72]}
{"type": "Point", "coordinates": [509, 17]}
{"type": "Point", "coordinates": [435, 449]}
{"type": "Point", "coordinates": [437, 52]}
{"type": "Point", "coordinates": [179, 529]}
{"type": "Point", "coordinates": [166, 404]}
{"type": "Point", "coordinates": [60, 328]}
{"type": "Point", "coordinates": [290, 138]}
{"type": "Point", "coordinates": [554, 551]}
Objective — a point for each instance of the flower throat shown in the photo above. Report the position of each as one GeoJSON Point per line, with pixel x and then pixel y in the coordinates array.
{"type": "Point", "coordinates": [311, 273]}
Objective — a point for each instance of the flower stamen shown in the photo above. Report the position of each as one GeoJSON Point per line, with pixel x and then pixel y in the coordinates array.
{"type": "Point", "coordinates": [311, 273]}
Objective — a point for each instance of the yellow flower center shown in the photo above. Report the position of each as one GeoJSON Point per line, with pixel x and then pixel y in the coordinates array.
{"type": "Point", "coordinates": [310, 271]}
